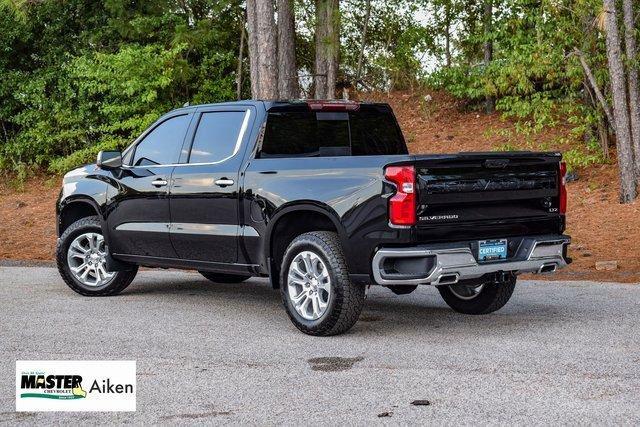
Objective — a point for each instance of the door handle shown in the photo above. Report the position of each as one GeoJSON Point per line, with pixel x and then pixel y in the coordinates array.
{"type": "Point", "coordinates": [224, 182]}
{"type": "Point", "coordinates": [160, 182]}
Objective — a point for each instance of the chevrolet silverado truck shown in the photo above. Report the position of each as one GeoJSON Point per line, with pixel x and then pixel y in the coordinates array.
{"type": "Point", "coordinates": [322, 198]}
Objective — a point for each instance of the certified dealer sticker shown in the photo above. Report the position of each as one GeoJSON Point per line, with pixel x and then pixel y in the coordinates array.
{"type": "Point", "coordinates": [75, 385]}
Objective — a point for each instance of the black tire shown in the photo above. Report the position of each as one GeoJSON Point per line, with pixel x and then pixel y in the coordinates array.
{"type": "Point", "coordinates": [120, 281]}
{"type": "Point", "coordinates": [402, 289]}
{"type": "Point", "coordinates": [346, 298]}
{"type": "Point", "coordinates": [224, 278]}
{"type": "Point", "coordinates": [492, 297]}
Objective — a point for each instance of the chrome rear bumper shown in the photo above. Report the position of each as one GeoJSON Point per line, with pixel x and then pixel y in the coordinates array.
{"type": "Point", "coordinates": [448, 264]}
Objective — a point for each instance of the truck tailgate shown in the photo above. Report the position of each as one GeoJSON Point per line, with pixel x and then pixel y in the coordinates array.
{"type": "Point", "coordinates": [475, 190]}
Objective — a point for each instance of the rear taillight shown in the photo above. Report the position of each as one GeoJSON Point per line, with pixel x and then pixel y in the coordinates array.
{"type": "Point", "coordinates": [402, 206]}
{"type": "Point", "coordinates": [563, 188]}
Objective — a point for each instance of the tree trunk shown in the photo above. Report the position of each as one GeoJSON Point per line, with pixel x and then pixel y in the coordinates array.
{"type": "Point", "coordinates": [267, 50]}
{"type": "Point", "coordinates": [252, 30]}
{"type": "Point", "coordinates": [287, 72]}
{"type": "Point", "coordinates": [327, 48]}
{"type": "Point", "coordinates": [588, 99]}
{"type": "Point", "coordinates": [603, 137]}
{"type": "Point", "coordinates": [594, 86]}
{"type": "Point", "coordinates": [386, 78]}
{"type": "Point", "coordinates": [490, 102]}
{"type": "Point", "coordinates": [592, 95]}
{"type": "Point", "coordinates": [447, 34]}
{"type": "Point", "coordinates": [632, 72]}
{"type": "Point", "coordinates": [363, 43]}
{"type": "Point", "coordinates": [620, 105]}
{"type": "Point", "coordinates": [239, 69]}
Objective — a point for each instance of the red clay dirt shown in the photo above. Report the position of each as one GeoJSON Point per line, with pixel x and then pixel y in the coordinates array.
{"type": "Point", "coordinates": [602, 229]}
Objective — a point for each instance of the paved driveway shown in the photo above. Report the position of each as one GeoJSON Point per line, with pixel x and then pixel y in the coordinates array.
{"type": "Point", "coordinates": [208, 353]}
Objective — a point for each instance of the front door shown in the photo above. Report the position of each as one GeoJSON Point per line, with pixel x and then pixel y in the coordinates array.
{"type": "Point", "coordinates": [139, 217]}
{"type": "Point", "coordinates": [205, 190]}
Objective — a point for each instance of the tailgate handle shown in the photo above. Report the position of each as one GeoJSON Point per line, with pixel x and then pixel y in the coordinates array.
{"type": "Point", "coordinates": [496, 163]}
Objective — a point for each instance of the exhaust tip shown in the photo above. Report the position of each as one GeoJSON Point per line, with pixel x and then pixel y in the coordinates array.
{"type": "Point", "coordinates": [448, 279]}
{"type": "Point", "coordinates": [548, 268]}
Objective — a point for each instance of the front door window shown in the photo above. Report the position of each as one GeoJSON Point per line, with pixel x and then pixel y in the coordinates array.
{"type": "Point", "coordinates": [163, 144]}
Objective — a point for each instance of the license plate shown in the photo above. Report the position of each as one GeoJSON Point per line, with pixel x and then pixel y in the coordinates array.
{"type": "Point", "coordinates": [492, 250]}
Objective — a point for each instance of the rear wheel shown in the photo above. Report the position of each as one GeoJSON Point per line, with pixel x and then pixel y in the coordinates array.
{"type": "Point", "coordinates": [478, 298]}
{"type": "Point", "coordinates": [81, 258]}
{"type": "Point", "coordinates": [316, 290]}
{"type": "Point", "coordinates": [224, 278]}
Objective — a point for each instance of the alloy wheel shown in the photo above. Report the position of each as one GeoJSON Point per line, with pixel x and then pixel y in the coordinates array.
{"type": "Point", "coordinates": [86, 258]}
{"type": "Point", "coordinates": [309, 285]}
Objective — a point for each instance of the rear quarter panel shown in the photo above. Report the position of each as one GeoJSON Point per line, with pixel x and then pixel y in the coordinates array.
{"type": "Point", "coordinates": [351, 190]}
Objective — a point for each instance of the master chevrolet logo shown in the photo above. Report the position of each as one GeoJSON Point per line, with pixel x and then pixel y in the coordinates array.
{"type": "Point", "coordinates": [75, 385]}
{"type": "Point", "coordinates": [67, 386]}
{"type": "Point", "coordinates": [53, 386]}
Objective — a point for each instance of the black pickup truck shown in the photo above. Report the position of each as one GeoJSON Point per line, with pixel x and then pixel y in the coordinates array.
{"type": "Point", "coordinates": [323, 198]}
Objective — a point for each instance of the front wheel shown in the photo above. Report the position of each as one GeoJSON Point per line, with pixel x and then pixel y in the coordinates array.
{"type": "Point", "coordinates": [478, 298]}
{"type": "Point", "coordinates": [316, 291]}
{"type": "Point", "coordinates": [81, 258]}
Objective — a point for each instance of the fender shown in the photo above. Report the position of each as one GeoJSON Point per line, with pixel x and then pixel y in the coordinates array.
{"type": "Point", "coordinates": [112, 264]}
{"type": "Point", "coordinates": [76, 199]}
{"type": "Point", "coordinates": [87, 184]}
{"type": "Point", "coordinates": [304, 205]}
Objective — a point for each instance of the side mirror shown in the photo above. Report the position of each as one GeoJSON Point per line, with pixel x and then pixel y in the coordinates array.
{"type": "Point", "coordinates": [109, 160]}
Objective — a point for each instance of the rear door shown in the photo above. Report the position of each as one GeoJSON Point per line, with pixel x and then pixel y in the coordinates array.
{"type": "Point", "coordinates": [205, 190]}
{"type": "Point", "coordinates": [139, 217]}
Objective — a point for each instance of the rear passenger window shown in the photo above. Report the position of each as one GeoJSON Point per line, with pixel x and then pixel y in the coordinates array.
{"type": "Point", "coordinates": [306, 134]}
{"type": "Point", "coordinates": [163, 144]}
{"type": "Point", "coordinates": [216, 137]}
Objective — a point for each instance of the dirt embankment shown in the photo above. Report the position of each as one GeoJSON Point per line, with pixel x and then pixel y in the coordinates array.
{"type": "Point", "coordinates": [28, 220]}
{"type": "Point", "coordinates": [602, 229]}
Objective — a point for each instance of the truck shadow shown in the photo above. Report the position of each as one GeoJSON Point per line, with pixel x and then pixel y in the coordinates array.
{"type": "Point", "coordinates": [383, 312]}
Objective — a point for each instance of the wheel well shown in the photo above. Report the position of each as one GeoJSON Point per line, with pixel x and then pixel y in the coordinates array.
{"type": "Point", "coordinates": [73, 212]}
{"type": "Point", "coordinates": [288, 227]}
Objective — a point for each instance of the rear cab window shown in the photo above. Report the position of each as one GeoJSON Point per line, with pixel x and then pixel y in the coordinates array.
{"type": "Point", "coordinates": [297, 131]}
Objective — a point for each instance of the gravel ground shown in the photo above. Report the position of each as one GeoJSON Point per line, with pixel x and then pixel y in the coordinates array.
{"type": "Point", "coordinates": [559, 352]}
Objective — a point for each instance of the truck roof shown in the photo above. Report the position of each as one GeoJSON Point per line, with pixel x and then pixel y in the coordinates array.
{"type": "Point", "coordinates": [315, 104]}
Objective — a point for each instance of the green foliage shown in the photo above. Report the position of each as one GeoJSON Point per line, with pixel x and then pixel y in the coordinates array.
{"type": "Point", "coordinates": [532, 75]}
{"type": "Point", "coordinates": [394, 45]}
{"type": "Point", "coordinates": [118, 96]}
{"type": "Point", "coordinates": [577, 158]}
{"type": "Point", "coordinates": [77, 76]}
{"type": "Point", "coordinates": [462, 81]}
{"type": "Point", "coordinates": [80, 76]}
{"type": "Point", "coordinates": [82, 156]}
